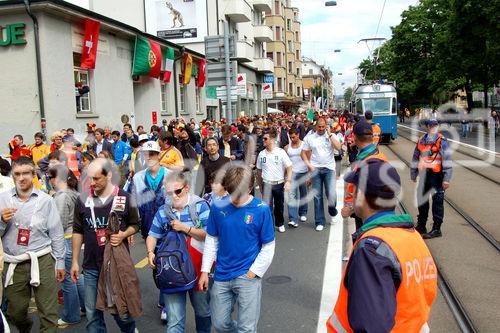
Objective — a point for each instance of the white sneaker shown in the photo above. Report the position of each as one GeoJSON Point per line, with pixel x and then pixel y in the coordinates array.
{"type": "Point", "coordinates": [163, 315]}
{"type": "Point", "coordinates": [281, 228]}
{"type": "Point", "coordinates": [319, 227]}
{"type": "Point", "coordinates": [293, 224]}
{"type": "Point", "coordinates": [333, 220]}
{"type": "Point", "coordinates": [62, 323]}
{"type": "Point", "coordinates": [303, 218]}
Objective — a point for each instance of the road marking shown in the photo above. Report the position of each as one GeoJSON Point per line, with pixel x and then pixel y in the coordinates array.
{"type": "Point", "coordinates": [458, 142]}
{"type": "Point", "coordinates": [142, 263]}
{"type": "Point", "coordinates": [333, 264]}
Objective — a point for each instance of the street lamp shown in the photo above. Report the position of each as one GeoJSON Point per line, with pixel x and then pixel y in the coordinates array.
{"type": "Point", "coordinates": [336, 51]}
{"type": "Point", "coordinates": [330, 3]}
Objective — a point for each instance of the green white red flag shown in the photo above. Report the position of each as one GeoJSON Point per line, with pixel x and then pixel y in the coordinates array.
{"type": "Point", "coordinates": [169, 64]}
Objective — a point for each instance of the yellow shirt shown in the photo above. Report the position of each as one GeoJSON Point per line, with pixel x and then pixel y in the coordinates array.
{"type": "Point", "coordinates": [39, 152]}
{"type": "Point", "coordinates": [171, 157]}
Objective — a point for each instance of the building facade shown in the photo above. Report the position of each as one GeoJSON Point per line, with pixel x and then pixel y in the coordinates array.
{"type": "Point", "coordinates": [285, 50]}
{"type": "Point", "coordinates": [114, 95]}
{"type": "Point", "coordinates": [315, 77]}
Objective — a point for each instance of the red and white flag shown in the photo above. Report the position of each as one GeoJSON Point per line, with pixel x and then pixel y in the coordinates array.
{"type": "Point", "coordinates": [90, 41]}
{"type": "Point", "coordinates": [202, 73]}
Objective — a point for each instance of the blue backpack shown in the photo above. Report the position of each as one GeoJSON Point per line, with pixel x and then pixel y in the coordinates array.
{"type": "Point", "coordinates": [174, 268]}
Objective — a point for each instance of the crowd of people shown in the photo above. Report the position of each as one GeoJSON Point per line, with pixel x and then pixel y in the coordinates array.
{"type": "Point", "coordinates": [187, 188]}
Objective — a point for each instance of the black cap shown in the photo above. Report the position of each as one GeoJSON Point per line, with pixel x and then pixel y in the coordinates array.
{"type": "Point", "coordinates": [164, 121]}
{"type": "Point", "coordinates": [362, 127]}
{"type": "Point", "coordinates": [376, 177]}
{"type": "Point", "coordinates": [368, 115]}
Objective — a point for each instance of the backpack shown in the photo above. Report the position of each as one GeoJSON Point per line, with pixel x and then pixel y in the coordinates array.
{"type": "Point", "coordinates": [176, 258]}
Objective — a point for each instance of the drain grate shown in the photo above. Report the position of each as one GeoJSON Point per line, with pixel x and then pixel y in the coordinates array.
{"type": "Point", "coordinates": [278, 279]}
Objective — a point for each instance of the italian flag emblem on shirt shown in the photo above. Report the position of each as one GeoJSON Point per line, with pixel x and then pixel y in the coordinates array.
{"type": "Point", "coordinates": [248, 218]}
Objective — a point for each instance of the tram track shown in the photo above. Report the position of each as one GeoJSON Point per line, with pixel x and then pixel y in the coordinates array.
{"type": "Point", "coordinates": [458, 311]}
{"type": "Point", "coordinates": [465, 166]}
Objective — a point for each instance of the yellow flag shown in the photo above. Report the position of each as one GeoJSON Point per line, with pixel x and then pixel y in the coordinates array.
{"type": "Point", "coordinates": [187, 67]}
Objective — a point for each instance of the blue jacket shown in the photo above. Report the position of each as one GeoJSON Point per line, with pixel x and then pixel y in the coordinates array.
{"type": "Point", "coordinates": [372, 278]}
{"type": "Point", "coordinates": [120, 149]}
{"type": "Point", "coordinates": [148, 201]}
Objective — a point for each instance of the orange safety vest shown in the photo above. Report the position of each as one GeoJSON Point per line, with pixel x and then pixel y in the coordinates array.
{"type": "Point", "coordinates": [72, 162]}
{"type": "Point", "coordinates": [418, 285]}
{"type": "Point", "coordinates": [377, 132]}
{"type": "Point", "coordinates": [349, 192]}
{"type": "Point", "coordinates": [430, 158]}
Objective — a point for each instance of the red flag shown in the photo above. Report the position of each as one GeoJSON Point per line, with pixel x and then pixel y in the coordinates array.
{"type": "Point", "coordinates": [201, 73]}
{"type": "Point", "coordinates": [90, 41]}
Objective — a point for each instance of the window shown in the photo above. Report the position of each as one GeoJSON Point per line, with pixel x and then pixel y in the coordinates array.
{"type": "Point", "coordinates": [278, 33]}
{"type": "Point", "coordinates": [290, 46]}
{"type": "Point", "coordinates": [290, 67]}
{"type": "Point", "coordinates": [298, 71]}
{"type": "Point", "coordinates": [276, 7]}
{"type": "Point", "coordinates": [82, 94]}
{"type": "Point", "coordinates": [297, 36]}
{"type": "Point", "coordinates": [280, 84]}
{"type": "Point", "coordinates": [297, 55]}
{"type": "Point", "coordinates": [278, 58]}
{"type": "Point", "coordinates": [182, 106]}
{"type": "Point", "coordinates": [163, 90]}
{"type": "Point", "coordinates": [298, 92]}
{"type": "Point", "coordinates": [290, 88]}
{"type": "Point", "coordinates": [310, 72]}
{"type": "Point", "coordinates": [289, 24]}
{"type": "Point", "coordinates": [198, 102]}
{"type": "Point", "coordinates": [270, 55]}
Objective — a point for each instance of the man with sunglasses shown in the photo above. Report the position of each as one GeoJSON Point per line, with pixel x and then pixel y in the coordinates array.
{"type": "Point", "coordinates": [274, 176]}
{"type": "Point", "coordinates": [179, 204]}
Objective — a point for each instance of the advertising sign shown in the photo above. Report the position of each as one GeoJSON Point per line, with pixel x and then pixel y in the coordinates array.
{"type": "Point", "coordinates": [267, 91]}
{"type": "Point", "coordinates": [269, 78]}
{"type": "Point", "coordinates": [154, 115]}
{"type": "Point", "coordinates": [241, 83]}
{"type": "Point", "coordinates": [182, 20]}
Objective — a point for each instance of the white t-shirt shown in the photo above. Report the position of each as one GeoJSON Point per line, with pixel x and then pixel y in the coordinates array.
{"type": "Point", "coordinates": [298, 164]}
{"type": "Point", "coordinates": [322, 151]}
{"type": "Point", "coordinates": [273, 164]}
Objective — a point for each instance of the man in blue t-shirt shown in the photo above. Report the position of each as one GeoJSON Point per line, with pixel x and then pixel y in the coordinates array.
{"type": "Point", "coordinates": [240, 233]}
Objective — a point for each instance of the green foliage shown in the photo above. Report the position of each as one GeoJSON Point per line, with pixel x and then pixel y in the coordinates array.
{"type": "Point", "coordinates": [347, 94]}
{"type": "Point", "coordinates": [439, 46]}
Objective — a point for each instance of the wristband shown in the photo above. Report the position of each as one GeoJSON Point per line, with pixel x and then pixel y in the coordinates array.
{"type": "Point", "coordinates": [189, 230]}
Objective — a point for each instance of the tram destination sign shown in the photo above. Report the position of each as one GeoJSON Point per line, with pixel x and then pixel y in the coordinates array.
{"type": "Point", "coordinates": [12, 34]}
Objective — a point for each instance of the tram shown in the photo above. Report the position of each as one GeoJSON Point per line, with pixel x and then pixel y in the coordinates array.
{"type": "Point", "coordinates": [381, 99]}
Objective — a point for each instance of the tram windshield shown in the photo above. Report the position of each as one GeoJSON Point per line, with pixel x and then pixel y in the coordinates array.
{"type": "Point", "coordinates": [377, 105]}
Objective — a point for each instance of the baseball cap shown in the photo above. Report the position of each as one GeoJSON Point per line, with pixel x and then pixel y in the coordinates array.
{"type": "Point", "coordinates": [164, 121]}
{"type": "Point", "coordinates": [376, 177]}
{"type": "Point", "coordinates": [143, 137]}
{"type": "Point", "coordinates": [151, 146]}
{"type": "Point", "coordinates": [362, 127]}
{"type": "Point", "coordinates": [431, 122]}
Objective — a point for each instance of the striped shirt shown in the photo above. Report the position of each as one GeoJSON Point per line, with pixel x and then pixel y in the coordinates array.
{"type": "Point", "coordinates": [162, 219]}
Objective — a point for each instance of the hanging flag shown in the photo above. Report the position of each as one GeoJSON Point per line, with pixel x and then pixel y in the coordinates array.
{"type": "Point", "coordinates": [169, 64]}
{"type": "Point", "coordinates": [187, 67]}
{"type": "Point", "coordinates": [147, 58]}
{"type": "Point", "coordinates": [90, 40]}
{"type": "Point", "coordinates": [201, 73]}
{"type": "Point", "coordinates": [194, 70]}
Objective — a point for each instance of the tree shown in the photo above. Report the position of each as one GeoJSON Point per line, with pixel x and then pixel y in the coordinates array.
{"type": "Point", "coordinates": [347, 94]}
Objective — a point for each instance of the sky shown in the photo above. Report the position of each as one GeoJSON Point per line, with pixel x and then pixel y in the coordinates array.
{"type": "Point", "coordinates": [325, 29]}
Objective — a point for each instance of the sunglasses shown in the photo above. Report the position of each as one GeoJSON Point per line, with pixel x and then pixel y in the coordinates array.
{"type": "Point", "coordinates": [177, 192]}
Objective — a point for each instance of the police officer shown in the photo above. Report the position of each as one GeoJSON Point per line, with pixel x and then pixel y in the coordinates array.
{"type": "Point", "coordinates": [390, 270]}
{"type": "Point", "coordinates": [432, 163]}
{"type": "Point", "coordinates": [363, 140]}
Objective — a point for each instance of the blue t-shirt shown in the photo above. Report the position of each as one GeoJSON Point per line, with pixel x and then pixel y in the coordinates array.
{"type": "Point", "coordinates": [241, 233]}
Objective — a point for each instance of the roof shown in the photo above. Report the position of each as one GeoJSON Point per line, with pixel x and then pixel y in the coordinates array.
{"type": "Point", "coordinates": [35, 4]}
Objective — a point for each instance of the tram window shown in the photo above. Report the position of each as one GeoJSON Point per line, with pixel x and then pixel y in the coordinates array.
{"type": "Point", "coordinates": [377, 105]}
{"type": "Point", "coordinates": [359, 107]}
{"type": "Point", "coordinates": [394, 106]}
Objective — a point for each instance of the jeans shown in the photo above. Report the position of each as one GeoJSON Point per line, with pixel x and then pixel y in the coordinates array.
{"type": "Point", "coordinates": [95, 318]}
{"type": "Point", "coordinates": [274, 195]}
{"type": "Point", "coordinates": [73, 294]}
{"type": "Point", "coordinates": [176, 311]}
{"type": "Point", "coordinates": [465, 129]}
{"type": "Point", "coordinates": [246, 293]}
{"type": "Point", "coordinates": [430, 183]}
{"type": "Point", "coordinates": [324, 177]}
{"type": "Point", "coordinates": [297, 205]}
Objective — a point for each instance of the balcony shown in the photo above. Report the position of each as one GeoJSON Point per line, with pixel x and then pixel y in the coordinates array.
{"type": "Point", "coordinates": [244, 51]}
{"type": "Point", "coordinates": [262, 5]}
{"type": "Point", "coordinates": [262, 33]}
{"type": "Point", "coordinates": [264, 65]}
{"type": "Point", "coordinates": [237, 11]}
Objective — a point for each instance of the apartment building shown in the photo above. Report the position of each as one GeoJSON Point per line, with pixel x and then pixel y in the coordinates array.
{"type": "Point", "coordinates": [315, 76]}
{"type": "Point", "coordinates": [285, 50]}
